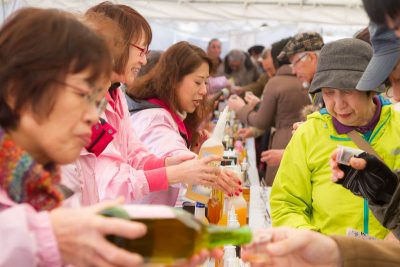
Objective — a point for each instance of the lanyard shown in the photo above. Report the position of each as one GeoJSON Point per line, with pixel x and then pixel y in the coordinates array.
{"type": "Point", "coordinates": [366, 218]}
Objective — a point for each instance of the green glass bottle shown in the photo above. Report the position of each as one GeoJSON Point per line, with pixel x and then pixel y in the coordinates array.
{"type": "Point", "coordinates": [172, 234]}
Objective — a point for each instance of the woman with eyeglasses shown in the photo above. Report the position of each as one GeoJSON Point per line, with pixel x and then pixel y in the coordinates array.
{"type": "Point", "coordinates": [125, 167]}
{"type": "Point", "coordinates": [50, 95]}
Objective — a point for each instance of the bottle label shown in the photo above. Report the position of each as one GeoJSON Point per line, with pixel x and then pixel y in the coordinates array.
{"type": "Point", "coordinates": [149, 211]}
{"type": "Point", "coordinates": [201, 189]}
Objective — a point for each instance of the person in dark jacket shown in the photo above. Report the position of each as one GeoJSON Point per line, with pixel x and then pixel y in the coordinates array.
{"type": "Point", "coordinates": [281, 105]}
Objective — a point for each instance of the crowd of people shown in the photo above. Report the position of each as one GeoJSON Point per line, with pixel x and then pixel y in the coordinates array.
{"type": "Point", "coordinates": [90, 118]}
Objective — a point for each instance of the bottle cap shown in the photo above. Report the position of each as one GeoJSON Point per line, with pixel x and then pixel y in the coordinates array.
{"type": "Point", "coordinates": [232, 218]}
{"type": "Point", "coordinates": [229, 252]}
{"type": "Point", "coordinates": [200, 205]}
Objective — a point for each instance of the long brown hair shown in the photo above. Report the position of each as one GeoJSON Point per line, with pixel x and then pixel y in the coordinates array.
{"type": "Point", "coordinates": [162, 81]}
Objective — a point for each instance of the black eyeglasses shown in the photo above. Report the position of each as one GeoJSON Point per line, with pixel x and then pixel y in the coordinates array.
{"type": "Point", "coordinates": [298, 60]}
{"type": "Point", "coordinates": [143, 51]}
{"type": "Point", "coordinates": [89, 98]}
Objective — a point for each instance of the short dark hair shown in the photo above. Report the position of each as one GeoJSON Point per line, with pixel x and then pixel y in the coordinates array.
{"type": "Point", "coordinates": [132, 24]}
{"type": "Point", "coordinates": [255, 49]}
{"type": "Point", "coordinates": [39, 47]}
{"type": "Point", "coordinates": [212, 41]}
{"type": "Point", "coordinates": [276, 49]}
{"type": "Point", "coordinates": [378, 9]}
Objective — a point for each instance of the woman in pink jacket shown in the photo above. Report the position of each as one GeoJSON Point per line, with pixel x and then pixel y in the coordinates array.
{"type": "Point", "coordinates": [169, 104]}
{"type": "Point", "coordinates": [125, 167]}
{"type": "Point", "coordinates": [53, 77]}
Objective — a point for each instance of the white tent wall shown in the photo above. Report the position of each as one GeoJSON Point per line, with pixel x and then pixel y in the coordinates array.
{"type": "Point", "coordinates": [237, 23]}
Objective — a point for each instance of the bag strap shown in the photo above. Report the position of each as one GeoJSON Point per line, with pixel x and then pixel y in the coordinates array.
{"type": "Point", "coordinates": [362, 144]}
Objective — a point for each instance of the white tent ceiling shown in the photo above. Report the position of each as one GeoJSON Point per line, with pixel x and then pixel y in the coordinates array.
{"type": "Point", "coordinates": [239, 23]}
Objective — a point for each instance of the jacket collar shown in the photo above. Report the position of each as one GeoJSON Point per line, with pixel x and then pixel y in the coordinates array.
{"type": "Point", "coordinates": [26, 181]}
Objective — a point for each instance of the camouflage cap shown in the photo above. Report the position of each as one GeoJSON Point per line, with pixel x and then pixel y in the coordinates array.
{"type": "Point", "coordinates": [302, 42]}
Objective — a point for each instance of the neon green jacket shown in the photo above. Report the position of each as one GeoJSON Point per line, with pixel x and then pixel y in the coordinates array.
{"type": "Point", "coordinates": [303, 195]}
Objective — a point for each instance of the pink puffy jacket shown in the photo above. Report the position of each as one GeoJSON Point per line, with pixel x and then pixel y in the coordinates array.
{"type": "Point", "coordinates": [125, 168]}
{"type": "Point", "coordinates": [26, 236]}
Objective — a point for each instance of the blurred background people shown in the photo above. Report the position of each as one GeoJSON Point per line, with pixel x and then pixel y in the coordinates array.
{"type": "Point", "coordinates": [255, 54]}
{"type": "Point", "coordinates": [281, 105]}
{"type": "Point", "coordinates": [214, 49]}
{"type": "Point", "coordinates": [238, 68]}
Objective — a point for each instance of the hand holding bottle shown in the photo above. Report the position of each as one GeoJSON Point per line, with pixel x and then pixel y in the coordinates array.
{"type": "Point", "coordinates": [236, 103]}
{"type": "Point", "coordinates": [229, 182]}
{"type": "Point", "coordinates": [80, 235]}
{"type": "Point", "coordinates": [194, 172]}
{"type": "Point", "coordinates": [251, 99]}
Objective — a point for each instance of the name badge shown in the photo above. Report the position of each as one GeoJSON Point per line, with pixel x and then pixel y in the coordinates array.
{"type": "Point", "coordinates": [358, 234]}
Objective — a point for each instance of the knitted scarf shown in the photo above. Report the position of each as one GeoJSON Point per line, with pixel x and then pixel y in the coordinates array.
{"type": "Point", "coordinates": [25, 180]}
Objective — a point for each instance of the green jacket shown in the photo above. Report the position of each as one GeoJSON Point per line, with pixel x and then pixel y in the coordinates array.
{"type": "Point", "coordinates": [303, 195]}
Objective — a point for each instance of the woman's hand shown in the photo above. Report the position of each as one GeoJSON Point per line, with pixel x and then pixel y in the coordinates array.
{"type": "Point", "coordinates": [229, 182]}
{"type": "Point", "coordinates": [236, 103]}
{"type": "Point", "coordinates": [272, 157]}
{"type": "Point", "coordinates": [194, 172]}
{"type": "Point", "coordinates": [80, 235]}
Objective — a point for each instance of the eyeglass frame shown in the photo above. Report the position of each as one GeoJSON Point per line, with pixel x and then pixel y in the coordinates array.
{"type": "Point", "coordinates": [143, 51]}
{"type": "Point", "coordinates": [301, 58]}
{"type": "Point", "coordinates": [89, 98]}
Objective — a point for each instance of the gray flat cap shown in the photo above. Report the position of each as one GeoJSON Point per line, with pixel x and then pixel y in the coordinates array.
{"type": "Point", "coordinates": [341, 65]}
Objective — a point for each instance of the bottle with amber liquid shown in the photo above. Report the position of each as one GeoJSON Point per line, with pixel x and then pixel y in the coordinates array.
{"type": "Point", "coordinates": [165, 224]}
{"type": "Point", "coordinates": [212, 146]}
{"type": "Point", "coordinates": [215, 204]}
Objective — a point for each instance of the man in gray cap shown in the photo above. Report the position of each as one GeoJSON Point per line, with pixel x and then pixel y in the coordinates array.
{"type": "Point", "coordinates": [303, 52]}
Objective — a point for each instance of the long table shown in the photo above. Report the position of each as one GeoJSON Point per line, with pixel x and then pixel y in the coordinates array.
{"type": "Point", "coordinates": [259, 210]}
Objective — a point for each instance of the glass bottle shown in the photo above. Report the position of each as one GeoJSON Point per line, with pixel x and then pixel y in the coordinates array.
{"type": "Point", "coordinates": [165, 225]}
{"type": "Point", "coordinates": [212, 146]}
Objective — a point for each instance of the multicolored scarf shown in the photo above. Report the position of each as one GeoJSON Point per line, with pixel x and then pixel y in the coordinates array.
{"type": "Point", "coordinates": [25, 180]}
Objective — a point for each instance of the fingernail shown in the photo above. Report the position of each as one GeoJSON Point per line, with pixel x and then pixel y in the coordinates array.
{"type": "Point", "coordinates": [240, 190]}
{"type": "Point", "coordinates": [240, 183]}
{"type": "Point", "coordinates": [236, 193]}
{"type": "Point", "coordinates": [231, 195]}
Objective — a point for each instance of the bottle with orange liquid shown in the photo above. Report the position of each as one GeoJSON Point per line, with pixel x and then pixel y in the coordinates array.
{"type": "Point", "coordinates": [215, 206]}
{"type": "Point", "coordinates": [236, 201]}
{"type": "Point", "coordinates": [212, 146]}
